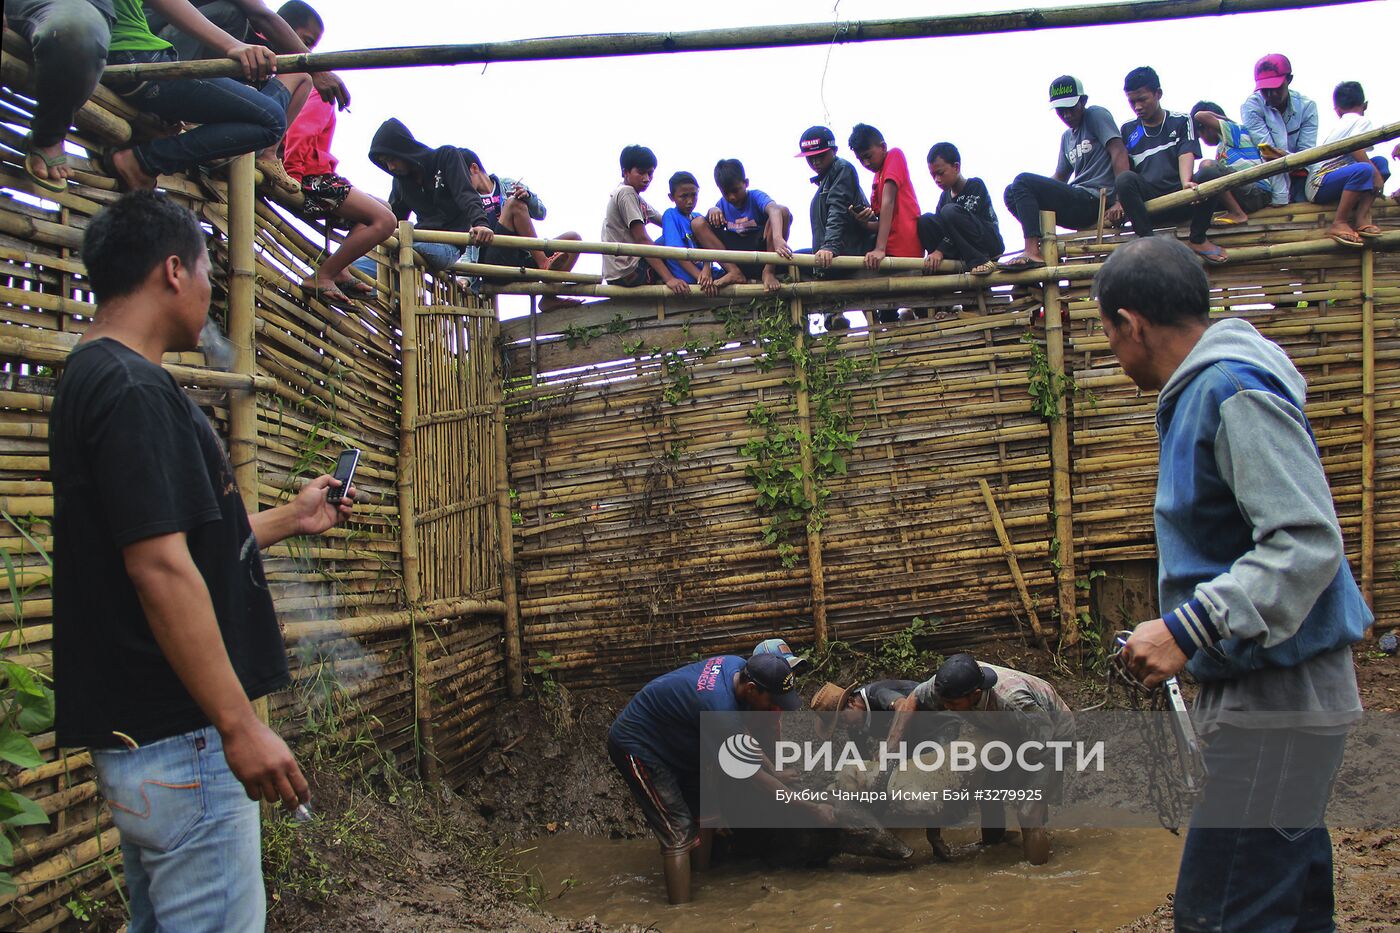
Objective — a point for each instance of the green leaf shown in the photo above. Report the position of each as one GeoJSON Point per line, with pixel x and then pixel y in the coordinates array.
{"type": "Point", "coordinates": [18, 810]}
{"type": "Point", "coordinates": [16, 748]}
{"type": "Point", "coordinates": [36, 711]}
{"type": "Point", "coordinates": [7, 850]}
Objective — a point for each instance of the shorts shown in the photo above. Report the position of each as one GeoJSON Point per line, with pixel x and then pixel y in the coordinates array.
{"type": "Point", "coordinates": [642, 274]}
{"type": "Point", "coordinates": [505, 255]}
{"type": "Point", "coordinates": [750, 242]}
{"type": "Point", "coordinates": [323, 194]}
{"type": "Point", "coordinates": [671, 806]}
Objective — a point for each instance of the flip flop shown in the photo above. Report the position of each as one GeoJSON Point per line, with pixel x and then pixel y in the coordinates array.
{"type": "Point", "coordinates": [1370, 231]}
{"type": "Point", "coordinates": [1347, 239]}
{"type": "Point", "coordinates": [47, 184]}
{"type": "Point", "coordinates": [1021, 263]}
{"type": "Point", "coordinates": [1215, 256]}
{"type": "Point", "coordinates": [983, 268]}
{"type": "Point", "coordinates": [328, 295]}
{"type": "Point", "coordinates": [1226, 222]}
{"type": "Point", "coordinates": [355, 287]}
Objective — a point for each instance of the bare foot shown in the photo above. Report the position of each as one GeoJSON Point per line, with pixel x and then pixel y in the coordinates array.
{"type": "Point", "coordinates": [558, 303]}
{"type": "Point", "coordinates": [1209, 252]}
{"type": "Point", "coordinates": [325, 289]}
{"type": "Point", "coordinates": [731, 278]}
{"type": "Point", "coordinates": [558, 261]}
{"type": "Point", "coordinates": [1344, 233]}
{"type": "Point", "coordinates": [771, 283]}
{"type": "Point", "coordinates": [129, 172]}
{"type": "Point", "coordinates": [49, 162]}
{"type": "Point", "coordinates": [541, 260]}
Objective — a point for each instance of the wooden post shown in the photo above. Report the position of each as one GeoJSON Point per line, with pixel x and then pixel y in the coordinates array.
{"type": "Point", "coordinates": [1368, 426]}
{"type": "Point", "coordinates": [242, 327]}
{"type": "Point", "coordinates": [1059, 437]}
{"type": "Point", "coordinates": [809, 486]}
{"type": "Point", "coordinates": [1026, 602]}
{"type": "Point", "coordinates": [505, 526]}
{"type": "Point", "coordinates": [409, 282]}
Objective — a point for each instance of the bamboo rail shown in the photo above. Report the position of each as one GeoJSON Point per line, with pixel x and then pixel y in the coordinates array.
{"type": "Point", "coordinates": [1368, 427]}
{"type": "Point", "coordinates": [1059, 438]}
{"type": "Point", "coordinates": [1012, 563]}
{"type": "Point", "coordinates": [505, 529]}
{"type": "Point", "coordinates": [815, 563]}
{"type": "Point", "coordinates": [748, 37]}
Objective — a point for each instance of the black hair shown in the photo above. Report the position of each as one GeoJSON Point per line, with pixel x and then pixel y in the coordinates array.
{"type": "Point", "coordinates": [728, 173]}
{"type": "Point", "coordinates": [1207, 106]}
{"type": "Point", "coordinates": [1159, 278]}
{"type": "Point", "coordinates": [470, 158]}
{"type": "Point", "coordinates": [1143, 77]}
{"type": "Point", "coordinates": [297, 13]}
{"type": "Point", "coordinates": [863, 136]}
{"type": "Point", "coordinates": [132, 236]}
{"type": "Point", "coordinates": [638, 157]}
{"type": "Point", "coordinates": [1348, 95]}
{"type": "Point", "coordinates": [945, 151]}
{"type": "Point", "coordinates": [682, 178]}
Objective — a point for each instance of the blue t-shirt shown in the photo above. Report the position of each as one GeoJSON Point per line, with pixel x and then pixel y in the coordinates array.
{"type": "Point", "coordinates": [664, 718]}
{"type": "Point", "coordinates": [676, 231]}
{"type": "Point", "coordinates": [750, 219]}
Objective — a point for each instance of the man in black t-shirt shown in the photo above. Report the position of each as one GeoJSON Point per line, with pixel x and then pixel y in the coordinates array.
{"type": "Point", "coordinates": [164, 630]}
{"type": "Point", "coordinates": [1163, 149]}
{"type": "Point", "coordinates": [964, 225]}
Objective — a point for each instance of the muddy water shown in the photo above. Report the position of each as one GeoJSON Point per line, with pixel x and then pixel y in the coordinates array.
{"type": "Point", "coordinates": [1096, 879]}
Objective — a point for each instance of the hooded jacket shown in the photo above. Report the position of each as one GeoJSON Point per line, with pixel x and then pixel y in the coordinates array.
{"type": "Point", "coordinates": [1252, 573]}
{"type": "Point", "coordinates": [833, 226]}
{"type": "Point", "coordinates": [439, 192]}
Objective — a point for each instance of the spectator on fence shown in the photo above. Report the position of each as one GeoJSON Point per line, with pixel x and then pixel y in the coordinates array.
{"type": "Point", "coordinates": [964, 225]}
{"type": "Point", "coordinates": [1163, 149]}
{"type": "Point", "coordinates": [655, 745]}
{"type": "Point", "coordinates": [164, 629]}
{"type": "Point", "coordinates": [233, 117]}
{"type": "Point", "coordinates": [747, 219]}
{"type": "Point", "coordinates": [625, 221]}
{"type": "Point", "coordinates": [893, 214]}
{"type": "Point", "coordinates": [512, 209]}
{"type": "Point", "coordinates": [1280, 121]}
{"type": "Point", "coordinates": [326, 194]}
{"type": "Point", "coordinates": [68, 39]}
{"type": "Point", "coordinates": [432, 185]}
{"type": "Point", "coordinates": [1351, 180]}
{"type": "Point", "coordinates": [1235, 151]}
{"type": "Point", "coordinates": [1091, 156]}
{"type": "Point", "coordinates": [678, 226]}
{"type": "Point", "coordinates": [295, 28]}
{"type": "Point", "coordinates": [1258, 602]}
{"type": "Point", "coordinates": [837, 230]}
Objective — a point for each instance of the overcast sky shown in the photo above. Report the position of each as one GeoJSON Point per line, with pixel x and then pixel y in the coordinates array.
{"type": "Point", "coordinates": [559, 126]}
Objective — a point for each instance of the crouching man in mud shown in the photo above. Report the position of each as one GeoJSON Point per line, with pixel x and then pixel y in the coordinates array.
{"type": "Point", "coordinates": [1260, 605]}
{"type": "Point", "coordinates": [164, 627]}
{"type": "Point", "coordinates": [1028, 710]}
{"type": "Point", "coordinates": [655, 744]}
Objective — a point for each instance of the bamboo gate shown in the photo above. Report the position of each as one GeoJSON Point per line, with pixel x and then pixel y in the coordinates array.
{"type": "Point", "coordinates": [566, 492]}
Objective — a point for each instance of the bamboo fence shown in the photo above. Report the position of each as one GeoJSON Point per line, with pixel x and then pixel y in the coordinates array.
{"type": "Point", "coordinates": [395, 642]}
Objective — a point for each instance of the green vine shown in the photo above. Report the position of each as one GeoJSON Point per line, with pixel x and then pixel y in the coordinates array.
{"type": "Point", "coordinates": [776, 469]}
{"type": "Point", "coordinates": [1046, 387]}
{"type": "Point", "coordinates": [582, 335]}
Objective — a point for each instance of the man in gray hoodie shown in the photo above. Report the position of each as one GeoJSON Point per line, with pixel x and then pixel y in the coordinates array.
{"type": "Point", "coordinates": [1257, 599]}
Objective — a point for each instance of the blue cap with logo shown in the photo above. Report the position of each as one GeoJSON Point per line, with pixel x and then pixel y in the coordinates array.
{"type": "Point", "coordinates": [780, 647]}
{"type": "Point", "coordinates": [771, 674]}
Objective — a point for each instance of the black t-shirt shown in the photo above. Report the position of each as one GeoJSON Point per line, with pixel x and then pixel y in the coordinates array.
{"type": "Point", "coordinates": [1154, 152]}
{"type": "Point", "coordinates": [133, 458]}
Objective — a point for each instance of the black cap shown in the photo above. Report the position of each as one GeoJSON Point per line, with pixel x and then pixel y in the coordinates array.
{"type": "Point", "coordinates": [815, 141]}
{"type": "Point", "coordinates": [961, 675]}
{"type": "Point", "coordinates": [771, 674]}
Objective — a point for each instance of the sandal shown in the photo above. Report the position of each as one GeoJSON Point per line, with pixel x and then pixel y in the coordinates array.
{"type": "Point", "coordinates": [1021, 263]}
{"type": "Point", "coordinates": [983, 268]}
{"type": "Point", "coordinates": [1226, 222]}
{"type": "Point", "coordinates": [1215, 256]}
{"type": "Point", "coordinates": [1347, 239]}
{"type": "Point", "coordinates": [328, 295]}
{"type": "Point", "coordinates": [48, 184]}
{"type": "Point", "coordinates": [1370, 231]}
{"type": "Point", "coordinates": [355, 287]}
{"type": "Point", "coordinates": [275, 173]}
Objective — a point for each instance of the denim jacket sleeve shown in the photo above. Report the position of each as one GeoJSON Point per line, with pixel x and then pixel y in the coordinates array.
{"type": "Point", "coordinates": [1267, 456]}
{"type": "Point", "coordinates": [533, 204]}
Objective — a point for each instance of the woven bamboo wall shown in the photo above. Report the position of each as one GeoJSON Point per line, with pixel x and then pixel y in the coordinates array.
{"type": "Point", "coordinates": [364, 669]}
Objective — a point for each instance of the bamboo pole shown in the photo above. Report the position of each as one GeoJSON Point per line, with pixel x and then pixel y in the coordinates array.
{"type": "Point", "coordinates": [505, 530]}
{"type": "Point", "coordinates": [1015, 565]}
{"type": "Point", "coordinates": [1368, 427]}
{"type": "Point", "coordinates": [1289, 162]}
{"type": "Point", "coordinates": [1059, 437]}
{"type": "Point", "coordinates": [809, 487]}
{"type": "Point", "coordinates": [486, 270]}
{"type": "Point", "coordinates": [408, 524]}
{"type": "Point", "coordinates": [746, 37]}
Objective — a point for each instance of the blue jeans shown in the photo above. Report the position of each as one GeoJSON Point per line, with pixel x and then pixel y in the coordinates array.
{"type": "Point", "coordinates": [234, 118]}
{"type": "Point", "coordinates": [438, 256]}
{"type": "Point", "coordinates": [1355, 177]}
{"type": "Point", "coordinates": [69, 39]}
{"type": "Point", "coordinates": [1241, 870]}
{"type": "Point", "coordinates": [191, 844]}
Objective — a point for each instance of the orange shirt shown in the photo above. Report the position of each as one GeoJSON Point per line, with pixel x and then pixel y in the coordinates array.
{"type": "Point", "coordinates": [904, 228]}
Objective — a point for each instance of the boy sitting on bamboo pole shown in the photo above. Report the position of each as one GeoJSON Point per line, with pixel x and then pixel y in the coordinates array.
{"type": "Point", "coordinates": [836, 228]}
{"type": "Point", "coordinates": [746, 219]}
{"type": "Point", "coordinates": [1235, 151]}
{"type": "Point", "coordinates": [678, 226]}
{"type": "Point", "coordinates": [1351, 180]}
{"type": "Point", "coordinates": [326, 194]}
{"type": "Point", "coordinates": [433, 185]}
{"type": "Point", "coordinates": [512, 209]}
{"type": "Point", "coordinates": [964, 226]}
{"type": "Point", "coordinates": [625, 222]}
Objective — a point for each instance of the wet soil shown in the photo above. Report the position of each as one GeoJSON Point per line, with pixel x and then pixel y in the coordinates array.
{"type": "Point", "coordinates": [546, 801]}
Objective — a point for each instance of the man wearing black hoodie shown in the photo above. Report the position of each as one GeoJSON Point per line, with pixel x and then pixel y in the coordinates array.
{"type": "Point", "coordinates": [434, 185]}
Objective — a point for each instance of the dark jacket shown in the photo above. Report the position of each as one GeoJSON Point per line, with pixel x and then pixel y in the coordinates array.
{"type": "Point", "coordinates": [833, 227]}
{"type": "Point", "coordinates": [440, 192]}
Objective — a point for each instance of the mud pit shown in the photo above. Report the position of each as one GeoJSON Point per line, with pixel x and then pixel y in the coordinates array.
{"type": "Point", "coordinates": [1095, 880]}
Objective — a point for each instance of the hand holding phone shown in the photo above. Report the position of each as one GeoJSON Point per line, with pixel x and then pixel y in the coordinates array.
{"type": "Point", "coordinates": [344, 472]}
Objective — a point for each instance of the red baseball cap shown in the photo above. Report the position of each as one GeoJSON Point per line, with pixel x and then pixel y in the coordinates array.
{"type": "Point", "coordinates": [1272, 71]}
